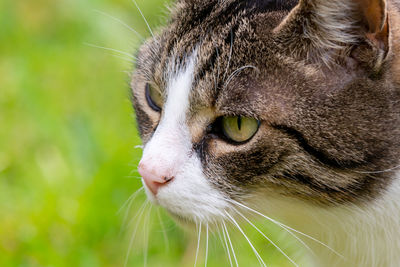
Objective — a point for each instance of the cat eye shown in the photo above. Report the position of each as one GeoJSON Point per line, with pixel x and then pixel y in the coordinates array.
{"type": "Point", "coordinates": [154, 97]}
{"type": "Point", "coordinates": [239, 129]}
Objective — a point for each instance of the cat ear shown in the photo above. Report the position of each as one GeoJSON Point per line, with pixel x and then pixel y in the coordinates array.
{"type": "Point", "coordinates": [332, 26]}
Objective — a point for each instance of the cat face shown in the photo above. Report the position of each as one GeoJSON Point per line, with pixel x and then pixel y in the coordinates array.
{"type": "Point", "coordinates": [238, 99]}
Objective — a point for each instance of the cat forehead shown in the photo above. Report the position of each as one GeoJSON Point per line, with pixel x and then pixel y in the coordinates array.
{"type": "Point", "coordinates": [231, 77]}
{"type": "Point", "coordinates": [222, 28]}
{"type": "Point", "coordinates": [217, 22]}
{"type": "Point", "coordinates": [232, 39]}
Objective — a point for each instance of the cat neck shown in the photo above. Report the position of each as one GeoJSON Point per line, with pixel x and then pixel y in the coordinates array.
{"type": "Point", "coordinates": [365, 235]}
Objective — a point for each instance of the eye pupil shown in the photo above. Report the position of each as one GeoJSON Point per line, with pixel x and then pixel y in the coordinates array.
{"type": "Point", "coordinates": [239, 122]}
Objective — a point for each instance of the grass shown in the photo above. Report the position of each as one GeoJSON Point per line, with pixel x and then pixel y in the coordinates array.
{"type": "Point", "coordinates": [67, 143]}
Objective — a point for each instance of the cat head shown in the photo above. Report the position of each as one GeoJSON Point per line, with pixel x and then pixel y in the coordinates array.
{"type": "Point", "coordinates": [257, 100]}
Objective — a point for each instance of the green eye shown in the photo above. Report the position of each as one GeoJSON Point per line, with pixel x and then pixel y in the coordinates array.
{"type": "Point", "coordinates": [239, 129]}
{"type": "Point", "coordinates": [154, 97]}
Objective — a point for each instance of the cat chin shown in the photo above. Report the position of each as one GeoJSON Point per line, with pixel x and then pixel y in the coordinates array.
{"type": "Point", "coordinates": [185, 223]}
{"type": "Point", "coordinates": [191, 225]}
{"type": "Point", "coordinates": [190, 216]}
{"type": "Point", "coordinates": [203, 214]}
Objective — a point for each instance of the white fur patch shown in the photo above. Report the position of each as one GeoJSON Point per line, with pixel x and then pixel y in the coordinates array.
{"type": "Point", "coordinates": [366, 234]}
{"type": "Point", "coordinates": [189, 194]}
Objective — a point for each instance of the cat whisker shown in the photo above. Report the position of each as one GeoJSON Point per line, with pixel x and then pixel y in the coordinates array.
{"type": "Point", "coordinates": [219, 234]}
{"type": "Point", "coordinates": [206, 245]}
{"type": "Point", "coordinates": [130, 199]}
{"type": "Point", "coordinates": [139, 146]}
{"type": "Point", "coordinates": [123, 58]}
{"type": "Point", "coordinates": [218, 67]}
{"type": "Point", "coordinates": [236, 72]}
{"type": "Point", "coordinates": [215, 82]}
{"type": "Point", "coordinates": [133, 164]}
{"type": "Point", "coordinates": [121, 22]}
{"type": "Point", "coordinates": [134, 161]}
{"type": "Point", "coordinates": [216, 77]}
{"type": "Point", "coordinates": [276, 223]}
{"type": "Point", "coordinates": [138, 213]}
{"type": "Point", "coordinates": [383, 171]}
{"type": "Point", "coordinates": [289, 229]}
{"type": "Point", "coordinates": [135, 169]}
{"type": "Point", "coordinates": [219, 230]}
{"type": "Point", "coordinates": [230, 243]}
{"type": "Point", "coordinates": [112, 49]}
{"type": "Point", "coordinates": [146, 237]}
{"type": "Point", "coordinates": [134, 232]}
{"type": "Point", "coordinates": [128, 73]}
{"type": "Point", "coordinates": [198, 243]}
{"type": "Point", "coordinates": [132, 176]}
{"type": "Point", "coordinates": [163, 230]}
{"type": "Point", "coordinates": [269, 240]}
{"type": "Point", "coordinates": [226, 246]}
{"type": "Point", "coordinates": [230, 56]}
{"type": "Point", "coordinates": [261, 261]}
{"type": "Point", "coordinates": [144, 18]}
{"type": "Point", "coordinates": [124, 224]}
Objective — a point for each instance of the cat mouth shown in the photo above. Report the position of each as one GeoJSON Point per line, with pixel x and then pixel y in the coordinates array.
{"type": "Point", "coordinates": [193, 222]}
{"type": "Point", "coordinates": [190, 211]}
{"type": "Point", "coordinates": [189, 197]}
{"type": "Point", "coordinates": [197, 214]}
{"type": "Point", "coordinates": [183, 221]}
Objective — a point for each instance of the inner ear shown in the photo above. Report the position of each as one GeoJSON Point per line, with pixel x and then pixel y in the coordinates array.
{"type": "Point", "coordinates": [374, 13]}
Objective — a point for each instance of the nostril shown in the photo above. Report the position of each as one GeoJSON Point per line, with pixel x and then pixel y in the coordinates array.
{"type": "Point", "coordinates": [168, 178]}
{"type": "Point", "coordinates": [154, 184]}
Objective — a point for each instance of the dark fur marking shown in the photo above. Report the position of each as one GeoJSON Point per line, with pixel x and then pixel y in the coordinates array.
{"type": "Point", "coordinates": [308, 181]}
{"type": "Point", "coordinates": [143, 122]}
{"type": "Point", "coordinates": [271, 5]}
{"type": "Point", "coordinates": [319, 155]}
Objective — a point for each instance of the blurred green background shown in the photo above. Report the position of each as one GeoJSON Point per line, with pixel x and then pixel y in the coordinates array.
{"type": "Point", "coordinates": [67, 144]}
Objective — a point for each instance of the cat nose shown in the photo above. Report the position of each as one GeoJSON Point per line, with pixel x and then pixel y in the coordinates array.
{"type": "Point", "coordinates": [154, 178]}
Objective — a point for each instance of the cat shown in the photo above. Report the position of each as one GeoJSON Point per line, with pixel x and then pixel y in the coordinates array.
{"type": "Point", "coordinates": [285, 108]}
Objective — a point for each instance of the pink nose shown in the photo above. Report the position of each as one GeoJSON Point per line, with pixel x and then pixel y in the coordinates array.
{"type": "Point", "coordinates": [153, 178]}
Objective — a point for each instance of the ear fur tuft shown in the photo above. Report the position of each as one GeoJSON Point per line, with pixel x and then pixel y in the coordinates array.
{"type": "Point", "coordinates": [333, 27]}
